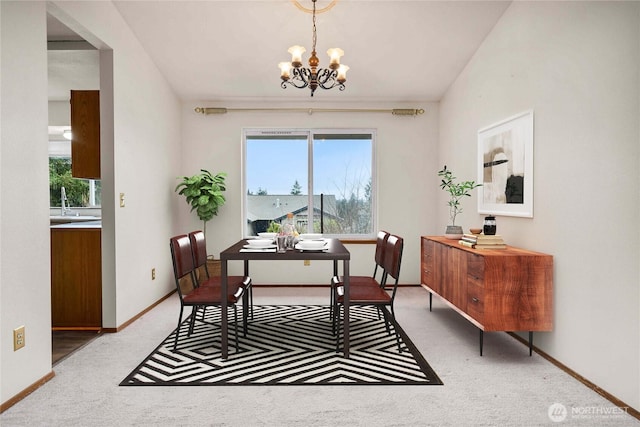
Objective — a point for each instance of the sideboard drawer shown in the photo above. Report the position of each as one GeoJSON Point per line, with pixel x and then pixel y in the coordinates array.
{"type": "Point", "coordinates": [427, 273]}
{"type": "Point", "coordinates": [475, 301]}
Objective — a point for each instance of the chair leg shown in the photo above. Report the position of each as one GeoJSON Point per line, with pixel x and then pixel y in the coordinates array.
{"type": "Point", "coordinates": [251, 299]}
{"type": "Point", "coordinates": [337, 323]}
{"type": "Point", "coordinates": [235, 323]}
{"type": "Point", "coordinates": [175, 343]}
{"type": "Point", "coordinates": [192, 319]}
{"type": "Point", "coordinates": [245, 312]}
{"type": "Point", "coordinates": [386, 320]}
{"type": "Point", "coordinates": [331, 300]}
{"type": "Point", "coordinates": [395, 329]}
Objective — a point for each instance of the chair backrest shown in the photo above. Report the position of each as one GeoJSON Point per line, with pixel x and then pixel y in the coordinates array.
{"type": "Point", "coordinates": [198, 247]}
{"type": "Point", "coordinates": [393, 256]}
{"type": "Point", "coordinates": [381, 241]}
{"type": "Point", "coordinates": [182, 263]}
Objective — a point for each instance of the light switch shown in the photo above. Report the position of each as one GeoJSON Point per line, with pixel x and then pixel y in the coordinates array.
{"type": "Point", "coordinates": [122, 200]}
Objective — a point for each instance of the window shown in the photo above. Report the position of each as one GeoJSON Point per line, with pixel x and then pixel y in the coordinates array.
{"type": "Point", "coordinates": [324, 177]}
{"type": "Point", "coordinates": [79, 192]}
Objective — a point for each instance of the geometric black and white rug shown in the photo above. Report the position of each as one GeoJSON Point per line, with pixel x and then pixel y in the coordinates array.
{"type": "Point", "coordinates": [286, 345]}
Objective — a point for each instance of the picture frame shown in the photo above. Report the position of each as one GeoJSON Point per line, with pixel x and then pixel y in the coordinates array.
{"type": "Point", "coordinates": [505, 167]}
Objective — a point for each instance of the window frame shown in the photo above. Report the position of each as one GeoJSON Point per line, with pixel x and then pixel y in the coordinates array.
{"type": "Point", "coordinates": [309, 133]}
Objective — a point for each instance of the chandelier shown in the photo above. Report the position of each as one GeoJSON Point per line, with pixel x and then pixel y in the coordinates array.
{"type": "Point", "coordinates": [292, 73]}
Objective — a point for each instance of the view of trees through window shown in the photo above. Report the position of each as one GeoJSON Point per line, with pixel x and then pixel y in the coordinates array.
{"type": "Point", "coordinates": [325, 178]}
{"type": "Point", "coordinates": [80, 192]}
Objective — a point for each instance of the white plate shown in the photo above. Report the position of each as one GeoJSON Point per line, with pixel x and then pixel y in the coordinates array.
{"type": "Point", "coordinates": [311, 236]}
{"type": "Point", "coordinates": [311, 245]}
{"type": "Point", "coordinates": [271, 246]}
{"type": "Point", "coordinates": [259, 243]}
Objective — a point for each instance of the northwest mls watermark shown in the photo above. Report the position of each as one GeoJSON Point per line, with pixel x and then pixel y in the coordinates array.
{"type": "Point", "coordinates": [558, 412]}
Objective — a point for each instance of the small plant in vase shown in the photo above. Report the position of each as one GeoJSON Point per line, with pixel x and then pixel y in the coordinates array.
{"type": "Point", "coordinates": [456, 192]}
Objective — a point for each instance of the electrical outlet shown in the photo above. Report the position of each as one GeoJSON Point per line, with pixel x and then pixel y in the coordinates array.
{"type": "Point", "coordinates": [307, 262]}
{"type": "Point", "coordinates": [122, 200]}
{"type": "Point", "coordinates": [153, 274]}
{"type": "Point", "coordinates": [18, 338]}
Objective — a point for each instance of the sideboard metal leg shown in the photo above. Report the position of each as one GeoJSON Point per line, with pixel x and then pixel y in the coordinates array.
{"type": "Point", "coordinates": [430, 300]}
{"type": "Point", "coordinates": [481, 340]}
{"type": "Point", "coordinates": [530, 343]}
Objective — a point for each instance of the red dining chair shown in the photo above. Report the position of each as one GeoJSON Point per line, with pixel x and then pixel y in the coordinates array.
{"type": "Point", "coordinates": [193, 295]}
{"type": "Point", "coordinates": [356, 281]}
{"type": "Point", "coordinates": [199, 250]}
{"type": "Point", "coordinates": [376, 296]}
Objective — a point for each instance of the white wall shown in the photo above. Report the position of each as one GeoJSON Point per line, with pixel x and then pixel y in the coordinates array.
{"type": "Point", "coordinates": [406, 159]}
{"type": "Point", "coordinates": [140, 138]}
{"type": "Point", "coordinates": [25, 291]}
{"type": "Point", "coordinates": [576, 64]}
{"type": "Point", "coordinates": [140, 158]}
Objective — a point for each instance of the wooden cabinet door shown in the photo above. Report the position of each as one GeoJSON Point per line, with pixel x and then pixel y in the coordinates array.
{"type": "Point", "coordinates": [76, 278]}
{"type": "Point", "coordinates": [85, 134]}
{"type": "Point", "coordinates": [453, 268]}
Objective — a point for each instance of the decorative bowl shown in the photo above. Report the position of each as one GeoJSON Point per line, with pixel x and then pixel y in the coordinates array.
{"type": "Point", "coordinates": [475, 230]}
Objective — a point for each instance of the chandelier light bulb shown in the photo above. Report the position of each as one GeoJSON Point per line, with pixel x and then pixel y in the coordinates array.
{"type": "Point", "coordinates": [296, 55]}
{"type": "Point", "coordinates": [285, 70]}
{"type": "Point", "coordinates": [342, 73]}
{"type": "Point", "coordinates": [334, 57]}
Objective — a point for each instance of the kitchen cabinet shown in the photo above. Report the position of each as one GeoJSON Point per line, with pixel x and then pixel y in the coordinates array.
{"type": "Point", "coordinates": [85, 134]}
{"type": "Point", "coordinates": [495, 289]}
{"type": "Point", "coordinates": [76, 277]}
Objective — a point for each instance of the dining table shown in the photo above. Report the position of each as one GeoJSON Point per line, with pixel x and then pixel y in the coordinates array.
{"type": "Point", "coordinates": [334, 250]}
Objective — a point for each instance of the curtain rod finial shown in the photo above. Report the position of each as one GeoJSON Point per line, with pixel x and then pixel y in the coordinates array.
{"type": "Point", "coordinates": [208, 111]}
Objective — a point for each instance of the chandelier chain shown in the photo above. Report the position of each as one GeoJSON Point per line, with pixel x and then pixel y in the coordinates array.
{"type": "Point", "coordinates": [315, 37]}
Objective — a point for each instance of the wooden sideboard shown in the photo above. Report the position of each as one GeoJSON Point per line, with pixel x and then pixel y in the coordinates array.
{"type": "Point", "coordinates": [495, 289]}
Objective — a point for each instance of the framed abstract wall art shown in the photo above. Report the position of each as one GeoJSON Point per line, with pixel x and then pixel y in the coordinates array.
{"type": "Point", "coordinates": [505, 167]}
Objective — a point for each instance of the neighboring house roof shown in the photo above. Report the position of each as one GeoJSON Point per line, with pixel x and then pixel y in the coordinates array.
{"type": "Point", "coordinates": [276, 206]}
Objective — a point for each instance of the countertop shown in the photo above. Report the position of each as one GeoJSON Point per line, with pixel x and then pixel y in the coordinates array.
{"type": "Point", "coordinates": [80, 224]}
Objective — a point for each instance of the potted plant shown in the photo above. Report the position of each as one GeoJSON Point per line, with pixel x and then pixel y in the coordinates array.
{"type": "Point", "coordinates": [203, 192]}
{"type": "Point", "coordinates": [456, 192]}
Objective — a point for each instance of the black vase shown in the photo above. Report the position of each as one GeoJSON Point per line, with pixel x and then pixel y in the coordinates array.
{"type": "Point", "coordinates": [489, 227]}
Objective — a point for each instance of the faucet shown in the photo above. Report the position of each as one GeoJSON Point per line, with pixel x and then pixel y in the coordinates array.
{"type": "Point", "coordinates": [63, 201]}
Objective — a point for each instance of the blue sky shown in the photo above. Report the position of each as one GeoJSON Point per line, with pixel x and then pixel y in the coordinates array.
{"type": "Point", "coordinates": [339, 165]}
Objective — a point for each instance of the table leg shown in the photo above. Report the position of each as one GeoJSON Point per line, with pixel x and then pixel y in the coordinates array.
{"type": "Point", "coordinates": [224, 278]}
{"type": "Point", "coordinates": [346, 334]}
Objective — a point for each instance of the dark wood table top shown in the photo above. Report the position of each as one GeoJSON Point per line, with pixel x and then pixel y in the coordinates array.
{"type": "Point", "coordinates": [336, 251]}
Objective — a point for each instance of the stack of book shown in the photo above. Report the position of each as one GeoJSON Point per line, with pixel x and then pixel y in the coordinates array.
{"type": "Point", "coordinates": [481, 241]}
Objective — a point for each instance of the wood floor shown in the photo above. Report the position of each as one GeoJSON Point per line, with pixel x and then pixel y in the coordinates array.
{"type": "Point", "coordinates": [64, 343]}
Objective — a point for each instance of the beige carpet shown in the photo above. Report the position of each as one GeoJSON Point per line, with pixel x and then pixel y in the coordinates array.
{"type": "Point", "coordinates": [505, 387]}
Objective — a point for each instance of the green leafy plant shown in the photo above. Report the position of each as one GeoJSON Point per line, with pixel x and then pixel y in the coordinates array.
{"type": "Point", "coordinates": [456, 191]}
{"type": "Point", "coordinates": [274, 227]}
{"type": "Point", "coordinates": [203, 192]}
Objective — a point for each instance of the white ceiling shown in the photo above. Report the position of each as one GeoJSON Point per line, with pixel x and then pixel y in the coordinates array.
{"type": "Point", "coordinates": [398, 50]}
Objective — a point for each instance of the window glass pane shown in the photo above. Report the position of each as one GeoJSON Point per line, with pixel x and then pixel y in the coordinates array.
{"type": "Point", "coordinates": [79, 192]}
{"type": "Point", "coordinates": [338, 200]}
{"type": "Point", "coordinates": [342, 174]}
{"type": "Point", "coordinates": [276, 170]}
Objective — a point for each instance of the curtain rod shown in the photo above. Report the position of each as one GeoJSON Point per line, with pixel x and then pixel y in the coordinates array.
{"type": "Point", "coordinates": [395, 111]}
